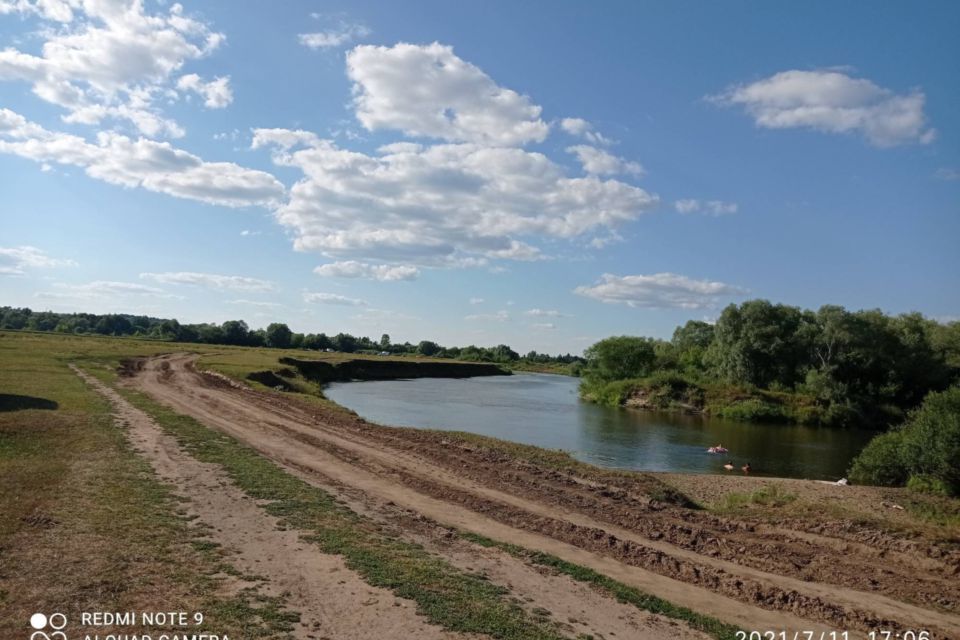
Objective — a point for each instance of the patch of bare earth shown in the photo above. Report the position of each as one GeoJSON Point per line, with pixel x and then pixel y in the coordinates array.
{"type": "Point", "coordinates": [751, 575]}
{"type": "Point", "coordinates": [332, 600]}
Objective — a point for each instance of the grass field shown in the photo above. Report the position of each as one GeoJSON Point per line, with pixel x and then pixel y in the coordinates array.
{"type": "Point", "coordinates": [83, 520]}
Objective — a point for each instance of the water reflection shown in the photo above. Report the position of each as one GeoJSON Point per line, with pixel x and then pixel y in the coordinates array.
{"type": "Point", "coordinates": [543, 410]}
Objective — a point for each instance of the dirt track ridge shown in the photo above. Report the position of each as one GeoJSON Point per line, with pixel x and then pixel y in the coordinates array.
{"type": "Point", "coordinates": [755, 577]}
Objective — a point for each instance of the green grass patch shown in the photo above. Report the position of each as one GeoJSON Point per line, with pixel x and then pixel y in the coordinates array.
{"type": "Point", "coordinates": [85, 524]}
{"type": "Point", "coordinates": [623, 593]}
{"type": "Point", "coordinates": [937, 510]}
{"type": "Point", "coordinates": [771, 495]}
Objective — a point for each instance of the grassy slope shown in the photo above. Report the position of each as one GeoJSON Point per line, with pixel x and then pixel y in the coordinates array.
{"type": "Point", "coordinates": [84, 523]}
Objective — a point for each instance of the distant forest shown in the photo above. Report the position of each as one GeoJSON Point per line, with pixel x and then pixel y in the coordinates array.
{"type": "Point", "coordinates": [276, 335]}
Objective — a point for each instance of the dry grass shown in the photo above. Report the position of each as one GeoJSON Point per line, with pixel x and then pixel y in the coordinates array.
{"type": "Point", "coordinates": [84, 523]}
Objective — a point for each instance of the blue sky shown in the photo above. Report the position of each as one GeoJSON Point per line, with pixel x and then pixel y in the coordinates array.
{"type": "Point", "coordinates": [542, 174]}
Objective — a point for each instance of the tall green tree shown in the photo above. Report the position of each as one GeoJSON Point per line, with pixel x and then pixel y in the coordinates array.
{"type": "Point", "coordinates": [428, 348]}
{"type": "Point", "coordinates": [235, 332]}
{"type": "Point", "coordinates": [619, 358]}
{"type": "Point", "coordinates": [690, 343]}
{"type": "Point", "coordinates": [759, 343]}
{"type": "Point", "coordinates": [279, 336]}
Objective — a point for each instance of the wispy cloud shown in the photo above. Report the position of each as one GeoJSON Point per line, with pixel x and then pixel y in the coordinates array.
{"type": "Point", "coordinates": [544, 313]}
{"type": "Point", "coordinates": [210, 280]}
{"type": "Point", "coordinates": [103, 289]}
{"type": "Point", "coordinates": [15, 261]}
{"type": "Point", "coordinates": [709, 207]}
{"type": "Point", "coordinates": [344, 33]}
{"type": "Point", "coordinates": [659, 291]}
{"type": "Point", "coordinates": [499, 316]}
{"type": "Point", "coordinates": [355, 269]}
{"type": "Point", "coordinates": [584, 129]}
{"type": "Point", "coordinates": [255, 303]}
{"type": "Point", "coordinates": [332, 298]}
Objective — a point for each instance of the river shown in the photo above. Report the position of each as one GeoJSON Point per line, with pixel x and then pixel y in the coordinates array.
{"type": "Point", "coordinates": [544, 410]}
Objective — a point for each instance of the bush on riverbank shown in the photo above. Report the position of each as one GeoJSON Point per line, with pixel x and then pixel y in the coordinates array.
{"type": "Point", "coordinates": [923, 453]}
{"type": "Point", "coordinates": [668, 391]}
{"type": "Point", "coordinates": [772, 362]}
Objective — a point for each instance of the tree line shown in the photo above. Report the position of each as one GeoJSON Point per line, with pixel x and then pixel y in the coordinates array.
{"type": "Point", "coordinates": [276, 335]}
{"type": "Point", "coordinates": [830, 366]}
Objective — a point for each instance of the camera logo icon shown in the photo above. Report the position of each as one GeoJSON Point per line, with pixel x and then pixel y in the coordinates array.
{"type": "Point", "coordinates": [48, 627]}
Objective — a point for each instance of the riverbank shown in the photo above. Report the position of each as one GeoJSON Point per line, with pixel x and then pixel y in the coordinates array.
{"type": "Point", "coordinates": [321, 371]}
{"type": "Point", "coordinates": [672, 392]}
{"type": "Point", "coordinates": [551, 503]}
{"type": "Point", "coordinates": [893, 510]}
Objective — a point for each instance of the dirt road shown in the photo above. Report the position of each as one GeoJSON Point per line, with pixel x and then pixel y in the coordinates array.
{"type": "Point", "coordinates": [760, 578]}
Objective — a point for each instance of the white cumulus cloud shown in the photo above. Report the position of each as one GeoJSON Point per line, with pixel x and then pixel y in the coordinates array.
{"type": "Point", "coordinates": [114, 60]}
{"type": "Point", "coordinates": [583, 129]}
{"type": "Point", "coordinates": [151, 165]}
{"type": "Point", "coordinates": [216, 94]}
{"type": "Point", "coordinates": [428, 91]}
{"type": "Point", "coordinates": [441, 205]}
{"type": "Point", "coordinates": [599, 162]}
{"type": "Point", "coordinates": [833, 102]}
{"type": "Point", "coordinates": [659, 290]}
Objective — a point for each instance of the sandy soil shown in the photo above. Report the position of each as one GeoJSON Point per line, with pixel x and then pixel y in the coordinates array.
{"type": "Point", "coordinates": [756, 576]}
{"type": "Point", "coordinates": [332, 600]}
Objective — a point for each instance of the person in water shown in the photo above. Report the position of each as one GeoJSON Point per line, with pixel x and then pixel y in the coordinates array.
{"type": "Point", "coordinates": [746, 468]}
{"type": "Point", "coordinates": [729, 465]}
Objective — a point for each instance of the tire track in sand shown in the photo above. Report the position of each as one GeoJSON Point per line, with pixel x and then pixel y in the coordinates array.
{"type": "Point", "coordinates": [228, 410]}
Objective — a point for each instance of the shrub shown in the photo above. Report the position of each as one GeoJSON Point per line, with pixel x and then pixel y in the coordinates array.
{"type": "Point", "coordinates": [612, 394]}
{"type": "Point", "coordinates": [666, 388]}
{"type": "Point", "coordinates": [768, 496]}
{"type": "Point", "coordinates": [926, 447]}
{"type": "Point", "coordinates": [808, 414]}
{"type": "Point", "coordinates": [881, 462]}
{"type": "Point", "coordinates": [927, 484]}
{"type": "Point", "coordinates": [932, 439]}
{"type": "Point", "coordinates": [753, 410]}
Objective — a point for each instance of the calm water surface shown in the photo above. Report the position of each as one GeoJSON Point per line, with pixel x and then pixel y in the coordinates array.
{"type": "Point", "coordinates": [544, 410]}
